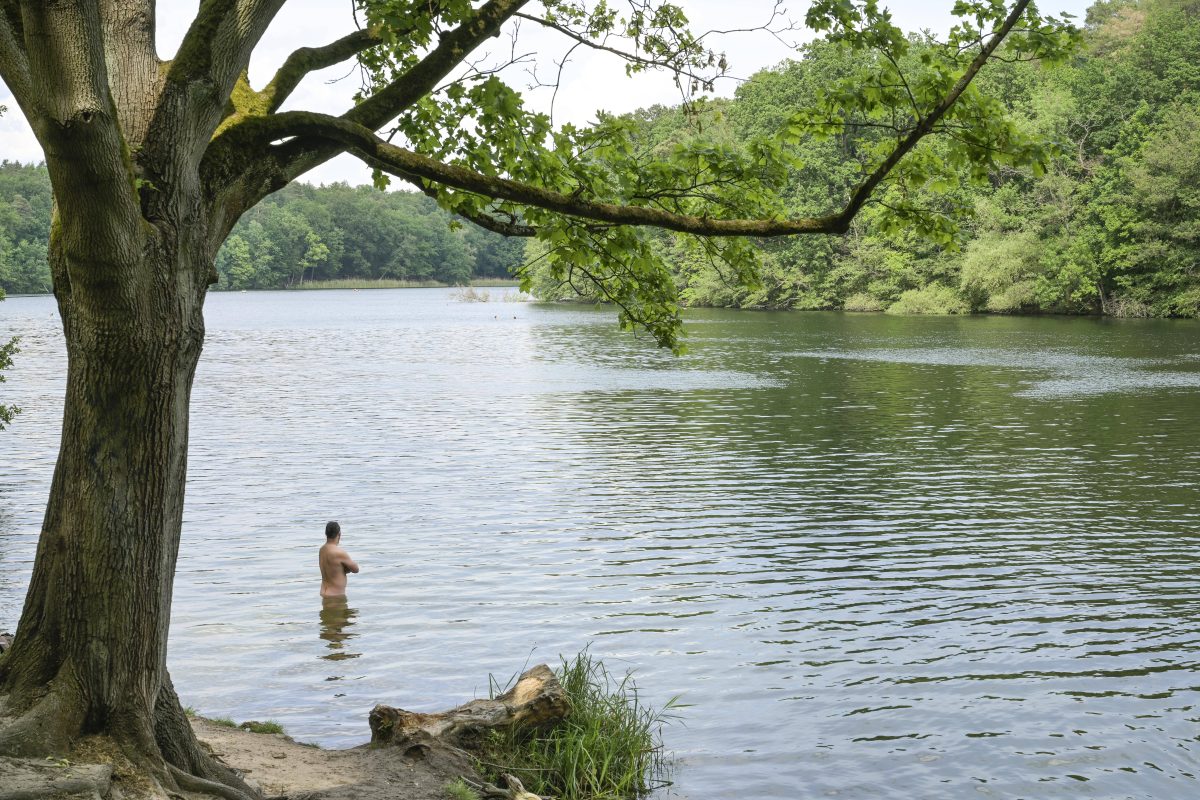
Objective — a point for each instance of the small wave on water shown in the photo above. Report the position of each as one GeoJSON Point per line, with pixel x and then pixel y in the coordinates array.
{"type": "Point", "coordinates": [1069, 373]}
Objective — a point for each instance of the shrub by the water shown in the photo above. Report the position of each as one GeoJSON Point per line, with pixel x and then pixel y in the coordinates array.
{"type": "Point", "coordinates": [862, 302]}
{"type": "Point", "coordinates": [935, 299]}
{"type": "Point", "coordinates": [608, 747]}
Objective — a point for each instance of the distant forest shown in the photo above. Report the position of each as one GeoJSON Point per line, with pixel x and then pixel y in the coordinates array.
{"type": "Point", "coordinates": [1111, 227]}
{"type": "Point", "coordinates": [302, 233]}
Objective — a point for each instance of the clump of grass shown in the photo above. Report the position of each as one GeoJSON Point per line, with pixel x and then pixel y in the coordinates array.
{"type": "Point", "coordinates": [253, 726]}
{"type": "Point", "coordinates": [609, 746]}
{"type": "Point", "coordinates": [189, 711]}
{"type": "Point", "coordinates": [458, 789]}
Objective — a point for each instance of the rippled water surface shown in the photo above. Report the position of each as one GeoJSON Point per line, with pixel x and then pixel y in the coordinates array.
{"type": "Point", "coordinates": [875, 556]}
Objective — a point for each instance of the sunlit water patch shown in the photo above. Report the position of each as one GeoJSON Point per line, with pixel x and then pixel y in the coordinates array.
{"type": "Point", "coordinates": [875, 556]}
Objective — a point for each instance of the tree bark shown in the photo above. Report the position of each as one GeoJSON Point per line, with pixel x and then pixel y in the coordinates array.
{"type": "Point", "coordinates": [89, 655]}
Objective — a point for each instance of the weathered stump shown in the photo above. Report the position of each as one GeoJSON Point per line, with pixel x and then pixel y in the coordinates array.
{"type": "Point", "coordinates": [29, 779]}
{"type": "Point", "coordinates": [537, 699]}
{"type": "Point", "coordinates": [5, 641]}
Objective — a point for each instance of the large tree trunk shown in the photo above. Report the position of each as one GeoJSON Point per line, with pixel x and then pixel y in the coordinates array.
{"type": "Point", "coordinates": [89, 656]}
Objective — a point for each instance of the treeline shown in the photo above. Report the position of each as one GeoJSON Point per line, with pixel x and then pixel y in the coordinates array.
{"type": "Point", "coordinates": [338, 232]}
{"type": "Point", "coordinates": [1113, 226]}
{"type": "Point", "coordinates": [300, 234]}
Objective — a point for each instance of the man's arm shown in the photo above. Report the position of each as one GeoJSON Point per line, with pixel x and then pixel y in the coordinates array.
{"type": "Point", "coordinates": [348, 564]}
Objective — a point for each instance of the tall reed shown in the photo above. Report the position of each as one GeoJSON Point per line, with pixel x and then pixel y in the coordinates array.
{"type": "Point", "coordinates": [608, 748]}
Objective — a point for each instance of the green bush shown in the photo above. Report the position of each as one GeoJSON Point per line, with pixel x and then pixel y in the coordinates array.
{"type": "Point", "coordinates": [862, 302]}
{"type": "Point", "coordinates": [933, 300]}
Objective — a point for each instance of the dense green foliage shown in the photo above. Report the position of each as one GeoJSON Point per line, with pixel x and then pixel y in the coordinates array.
{"type": "Point", "coordinates": [25, 204]}
{"type": "Point", "coordinates": [1109, 224]}
{"type": "Point", "coordinates": [1112, 224]}
{"type": "Point", "coordinates": [300, 234]}
{"type": "Point", "coordinates": [607, 748]}
{"type": "Point", "coordinates": [483, 153]}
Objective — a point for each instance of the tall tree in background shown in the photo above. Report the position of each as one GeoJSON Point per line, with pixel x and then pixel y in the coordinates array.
{"type": "Point", "coordinates": [152, 163]}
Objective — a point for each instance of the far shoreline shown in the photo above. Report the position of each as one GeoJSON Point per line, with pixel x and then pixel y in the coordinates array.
{"type": "Point", "coordinates": [508, 283]}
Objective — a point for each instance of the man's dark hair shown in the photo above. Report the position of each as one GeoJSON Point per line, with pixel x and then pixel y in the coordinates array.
{"type": "Point", "coordinates": [332, 530]}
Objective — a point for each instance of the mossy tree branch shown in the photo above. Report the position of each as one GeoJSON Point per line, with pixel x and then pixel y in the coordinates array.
{"type": "Point", "coordinates": [246, 171]}
{"type": "Point", "coordinates": [217, 46]}
{"type": "Point", "coordinates": [415, 168]}
{"type": "Point", "coordinates": [489, 221]}
{"type": "Point", "coordinates": [452, 48]}
{"type": "Point", "coordinates": [310, 59]}
{"type": "Point", "coordinates": [348, 136]}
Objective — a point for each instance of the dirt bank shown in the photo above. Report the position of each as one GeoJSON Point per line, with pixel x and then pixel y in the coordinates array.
{"type": "Point", "coordinates": [282, 767]}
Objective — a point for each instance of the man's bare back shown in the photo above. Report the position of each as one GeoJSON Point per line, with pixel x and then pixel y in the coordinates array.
{"type": "Point", "coordinates": [335, 563]}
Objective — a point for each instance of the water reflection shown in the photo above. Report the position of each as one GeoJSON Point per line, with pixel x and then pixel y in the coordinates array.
{"type": "Point", "coordinates": [337, 617]}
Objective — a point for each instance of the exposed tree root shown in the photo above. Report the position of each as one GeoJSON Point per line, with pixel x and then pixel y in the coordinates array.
{"type": "Point", "coordinates": [180, 748]}
{"type": "Point", "coordinates": [190, 783]}
{"type": "Point", "coordinates": [43, 754]}
{"type": "Point", "coordinates": [44, 728]}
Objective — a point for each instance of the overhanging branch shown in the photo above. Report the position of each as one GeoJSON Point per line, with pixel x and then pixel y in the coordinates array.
{"type": "Point", "coordinates": [250, 170]}
{"type": "Point", "coordinates": [363, 143]}
{"type": "Point", "coordinates": [377, 110]}
{"type": "Point", "coordinates": [310, 59]}
{"type": "Point", "coordinates": [504, 227]}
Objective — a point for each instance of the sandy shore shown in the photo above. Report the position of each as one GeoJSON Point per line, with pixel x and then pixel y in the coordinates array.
{"type": "Point", "coordinates": [282, 767]}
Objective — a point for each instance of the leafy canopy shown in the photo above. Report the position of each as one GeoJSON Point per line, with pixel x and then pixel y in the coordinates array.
{"type": "Point", "coordinates": [480, 122]}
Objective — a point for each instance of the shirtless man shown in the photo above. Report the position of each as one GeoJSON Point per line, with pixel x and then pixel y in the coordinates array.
{"type": "Point", "coordinates": [335, 563]}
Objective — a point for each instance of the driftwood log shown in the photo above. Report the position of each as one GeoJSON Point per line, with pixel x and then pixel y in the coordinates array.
{"type": "Point", "coordinates": [536, 700]}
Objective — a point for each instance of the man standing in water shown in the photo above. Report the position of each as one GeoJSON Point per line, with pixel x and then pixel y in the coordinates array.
{"type": "Point", "coordinates": [335, 563]}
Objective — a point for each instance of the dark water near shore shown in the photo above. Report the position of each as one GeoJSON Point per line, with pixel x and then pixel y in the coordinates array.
{"type": "Point", "coordinates": [876, 556]}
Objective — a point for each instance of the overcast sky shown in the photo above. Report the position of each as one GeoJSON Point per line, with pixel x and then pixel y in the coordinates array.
{"type": "Point", "coordinates": [591, 80]}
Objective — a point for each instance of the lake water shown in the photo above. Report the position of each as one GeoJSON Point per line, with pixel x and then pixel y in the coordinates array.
{"type": "Point", "coordinates": [874, 556]}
